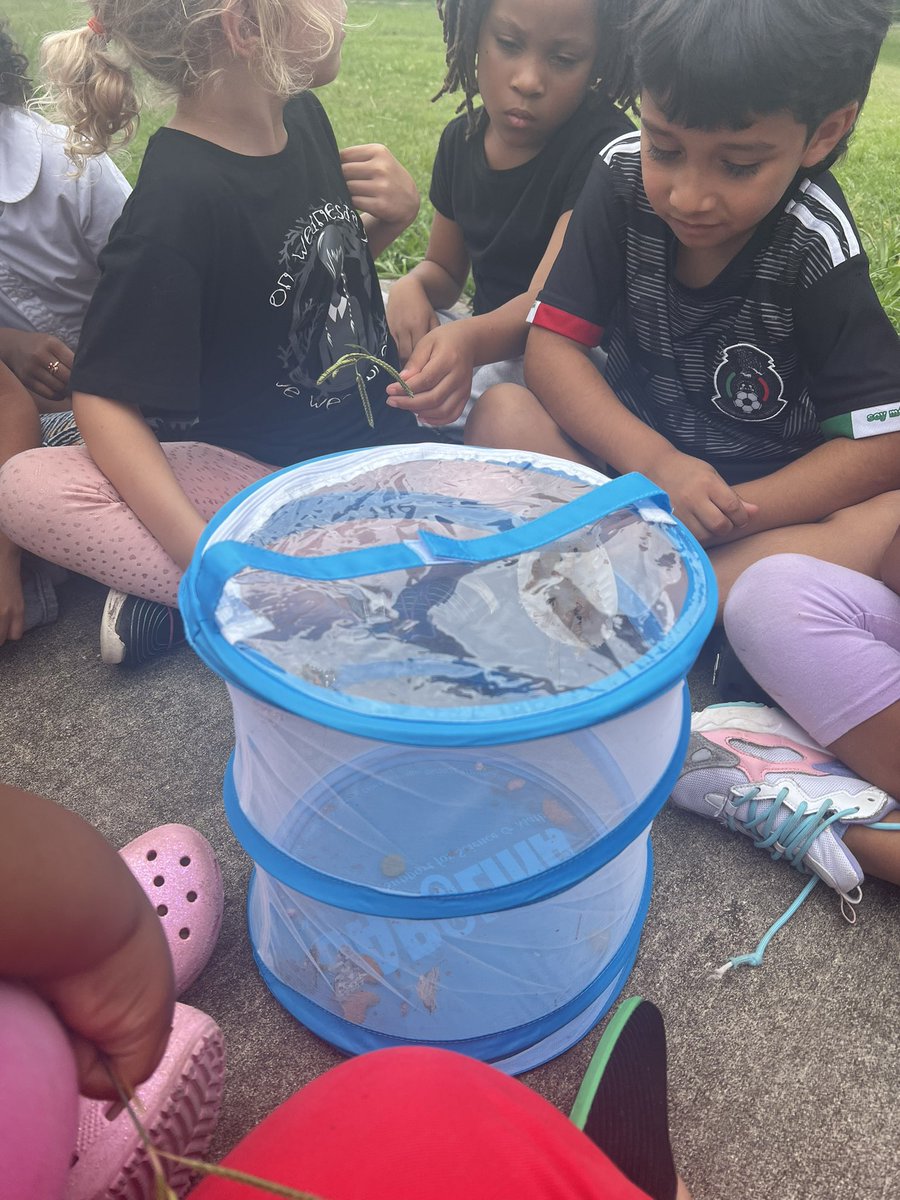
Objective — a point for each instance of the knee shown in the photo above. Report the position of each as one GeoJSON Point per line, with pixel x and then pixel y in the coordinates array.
{"type": "Point", "coordinates": [499, 414]}
{"type": "Point", "coordinates": [20, 484]}
{"type": "Point", "coordinates": [18, 470]}
{"type": "Point", "coordinates": [768, 589]}
{"type": "Point", "coordinates": [881, 512]}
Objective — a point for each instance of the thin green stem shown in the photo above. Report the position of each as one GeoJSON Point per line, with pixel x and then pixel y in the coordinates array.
{"type": "Point", "coordinates": [353, 358]}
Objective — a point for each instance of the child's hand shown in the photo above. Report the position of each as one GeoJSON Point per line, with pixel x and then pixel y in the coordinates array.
{"type": "Point", "coordinates": [80, 931]}
{"type": "Point", "coordinates": [701, 498]}
{"type": "Point", "coordinates": [30, 357]}
{"type": "Point", "coordinates": [439, 371]}
{"type": "Point", "coordinates": [409, 315]}
{"type": "Point", "coordinates": [379, 185]}
{"type": "Point", "coordinates": [121, 1008]}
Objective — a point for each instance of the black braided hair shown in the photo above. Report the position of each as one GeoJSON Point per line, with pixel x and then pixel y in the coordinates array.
{"type": "Point", "coordinates": [462, 19]}
{"type": "Point", "coordinates": [15, 85]}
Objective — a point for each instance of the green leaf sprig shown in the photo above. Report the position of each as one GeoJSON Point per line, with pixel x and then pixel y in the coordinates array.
{"type": "Point", "coordinates": [353, 358]}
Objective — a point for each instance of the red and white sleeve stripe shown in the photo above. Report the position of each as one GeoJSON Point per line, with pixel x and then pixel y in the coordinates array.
{"type": "Point", "coordinates": [559, 321]}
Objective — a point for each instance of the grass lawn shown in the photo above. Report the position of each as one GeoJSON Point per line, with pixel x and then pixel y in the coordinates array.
{"type": "Point", "coordinates": [393, 63]}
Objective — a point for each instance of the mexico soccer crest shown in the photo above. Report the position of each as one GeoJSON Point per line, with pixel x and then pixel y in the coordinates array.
{"type": "Point", "coordinates": [748, 387]}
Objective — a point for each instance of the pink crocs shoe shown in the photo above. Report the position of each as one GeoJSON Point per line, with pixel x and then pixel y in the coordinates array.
{"type": "Point", "coordinates": [177, 868]}
{"type": "Point", "coordinates": [178, 1106]}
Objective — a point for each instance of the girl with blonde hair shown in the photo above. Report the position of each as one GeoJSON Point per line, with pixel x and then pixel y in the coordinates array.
{"type": "Point", "coordinates": [213, 305]}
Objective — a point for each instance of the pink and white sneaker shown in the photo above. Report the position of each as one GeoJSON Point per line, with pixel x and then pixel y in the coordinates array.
{"type": "Point", "coordinates": [752, 769]}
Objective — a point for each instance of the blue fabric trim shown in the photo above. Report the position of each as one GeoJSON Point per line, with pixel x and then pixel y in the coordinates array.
{"type": "Point", "coordinates": [625, 492]}
{"type": "Point", "coordinates": [213, 567]}
{"type": "Point", "coordinates": [342, 893]}
{"type": "Point", "coordinates": [357, 1039]}
{"type": "Point", "coordinates": [629, 688]}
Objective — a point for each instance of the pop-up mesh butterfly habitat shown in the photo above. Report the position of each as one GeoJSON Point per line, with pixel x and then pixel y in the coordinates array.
{"type": "Point", "coordinates": [459, 701]}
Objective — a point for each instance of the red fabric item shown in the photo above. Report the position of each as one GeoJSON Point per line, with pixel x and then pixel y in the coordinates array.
{"type": "Point", "coordinates": [421, 1124]}
{"type": "Point", "coordinates": [558, 321]}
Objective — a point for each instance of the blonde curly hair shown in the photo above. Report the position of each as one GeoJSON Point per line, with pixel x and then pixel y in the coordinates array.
{"type": "Point", "coordinates": [89, 72]}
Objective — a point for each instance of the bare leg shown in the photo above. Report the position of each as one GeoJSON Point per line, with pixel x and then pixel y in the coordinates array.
{"type": "Point", "coordinates": [824, 642]}
{"type": "Point", "coordinates": [855, 537]}
{"type": "Point", "coordinates": [877, 850]}
{"type": "Point", "coordinates": [512, 418]}
{"type": "Point", "coordinates": [872, 750]}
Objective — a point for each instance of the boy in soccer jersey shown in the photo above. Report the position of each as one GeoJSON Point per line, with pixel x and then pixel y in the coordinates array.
{"type": "Point", "coordinates": [752, 372]}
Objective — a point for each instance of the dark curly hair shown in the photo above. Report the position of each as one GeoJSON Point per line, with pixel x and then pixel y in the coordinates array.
{"type": "Point", "coordinates": [462, 24]}
{"type": "Point", "coordinates": [15, 85]}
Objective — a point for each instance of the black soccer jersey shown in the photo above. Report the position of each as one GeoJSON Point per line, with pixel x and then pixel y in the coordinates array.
{"type": "Point", "coordinates": [787, 346]}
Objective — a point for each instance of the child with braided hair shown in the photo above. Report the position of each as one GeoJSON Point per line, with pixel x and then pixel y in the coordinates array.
{"type": "Point", "coordinates": [752, 372]}
{"type": "Point", "coordinates": [504, 183]}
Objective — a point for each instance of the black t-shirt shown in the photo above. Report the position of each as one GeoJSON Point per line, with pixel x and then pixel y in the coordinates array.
{"type": "Point", "coordinates": [789, 345]}
{"type": "Point", "coordinates": [507, 217]}
{"type": "Point", "coordinates": [229, 284]}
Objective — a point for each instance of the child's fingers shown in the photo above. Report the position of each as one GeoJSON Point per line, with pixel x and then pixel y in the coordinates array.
{"type": "Point", "coordinates": [361, 153]}
{"type": "Point", "coordinates": [409, 323]}
{"type": "Point", "coordinates": [405, 343]}
{"type": "Point", "coordinates": [407, 337]}
{"type": "Point", "coordinates": [426, 366]}
{"type": "Point", "coordinates": [132, 1066]}
{"type": "Point", "coordinates": [730, 506]}
{"type": "Point", "coordinates": [357, 175]}
{"type": "Point", "coordinates": [439, 402]}
{"type": "Point", "coordinates": [446, 413]}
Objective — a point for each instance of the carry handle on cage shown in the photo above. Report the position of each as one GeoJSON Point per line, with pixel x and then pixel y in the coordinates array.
{"type": "Point", "coordinates": [223, 560]}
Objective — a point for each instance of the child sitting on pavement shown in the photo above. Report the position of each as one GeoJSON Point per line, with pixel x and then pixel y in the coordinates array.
{"type": "Point", "coordinates": [504, 183]}
{"type": "Point", "coordinates": [250, 240]}
{"type": "Point", "coordinates": [714, 256]}
{"type": "Point", "coordinates": [54, 226]}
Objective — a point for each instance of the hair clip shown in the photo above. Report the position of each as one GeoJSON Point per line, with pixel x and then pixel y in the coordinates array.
{"type": "Point", "coordinates": [96, 26]}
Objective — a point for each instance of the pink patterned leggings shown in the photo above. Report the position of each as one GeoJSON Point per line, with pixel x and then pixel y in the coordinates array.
{"type": "Point", "coordinates": [59, 505]}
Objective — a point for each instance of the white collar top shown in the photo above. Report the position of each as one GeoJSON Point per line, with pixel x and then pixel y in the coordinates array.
{"type": "Point", "coordinates": [53, 225]}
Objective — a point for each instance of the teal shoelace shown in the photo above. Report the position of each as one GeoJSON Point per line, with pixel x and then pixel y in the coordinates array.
{"type": "Point", "coordinates": [791, 841]}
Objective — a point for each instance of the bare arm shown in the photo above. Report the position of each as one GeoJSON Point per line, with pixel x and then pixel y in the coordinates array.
{"type": "Point", "coordinates": [20, 430]}
{"type": "Point", "coordinates": [382, 190]}
{"type": "Point", "coordinates": [561, 374]}
{"type": "Point", "coordinates": [440, 368]}
{"type": "Point", "coordinates": [890, 566]}
{"type": "Point", "coordinates": [81, 931]}
{"type": "Point", "coordinates": [436, 282]}
{"type": "Point", "coordinates": [20, 427]}
{"type": "Point", "coordinates": [839, 473]}
{"type": "Point", "coordinates": [127, 452]}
